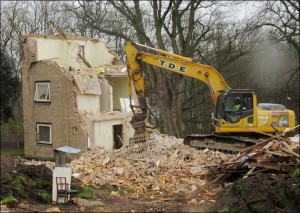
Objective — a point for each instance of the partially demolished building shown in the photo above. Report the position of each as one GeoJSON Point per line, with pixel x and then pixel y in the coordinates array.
{"type": "Point", "coordinates": [74, 94]}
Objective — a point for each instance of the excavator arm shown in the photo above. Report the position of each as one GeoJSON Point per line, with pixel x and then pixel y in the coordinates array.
{"type": "Point", "coordinates": [169, 61]}
{"type": "Point", "coordinates": [175, 63]}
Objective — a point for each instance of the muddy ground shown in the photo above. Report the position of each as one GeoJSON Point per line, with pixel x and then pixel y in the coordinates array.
{"type": "Point", "coordinates": [31, 186]}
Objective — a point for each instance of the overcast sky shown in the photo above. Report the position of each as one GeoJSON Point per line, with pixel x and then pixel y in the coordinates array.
{"type": "Point", "coordinates": [246, 9]}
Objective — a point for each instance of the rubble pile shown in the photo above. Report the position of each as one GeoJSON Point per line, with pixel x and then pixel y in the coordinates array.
{"type": "Point", "coordinates": [33, 162]}
{"type": "Point", "coordinates": [168, 167]}
{"type": "Point", "coordinates": [273, 155]}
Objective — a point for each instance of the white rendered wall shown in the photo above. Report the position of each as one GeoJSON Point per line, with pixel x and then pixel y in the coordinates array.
{"type": "Point", "coordinates": [104, 133]}
{"type": "Point", "coordinates": [65, 52]}
{"type": "Point", "coordinates": [120, 90]}
{"type": "Point", "coordinates": [88, 103]}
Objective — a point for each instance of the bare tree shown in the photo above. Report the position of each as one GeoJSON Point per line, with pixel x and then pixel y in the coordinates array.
{"type": "Point", "coordinates": [280, 21]}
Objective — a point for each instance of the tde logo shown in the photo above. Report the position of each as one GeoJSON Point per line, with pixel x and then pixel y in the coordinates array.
{"type": "Point", "coordinates": [172, 66]}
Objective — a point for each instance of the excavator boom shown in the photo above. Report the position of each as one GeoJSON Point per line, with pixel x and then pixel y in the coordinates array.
{"type": "Point", "coordinates": [175, 63]}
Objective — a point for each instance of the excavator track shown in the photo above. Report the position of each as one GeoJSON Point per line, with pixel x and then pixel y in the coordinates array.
{"type": "Point", "coordinates": [219, 142]}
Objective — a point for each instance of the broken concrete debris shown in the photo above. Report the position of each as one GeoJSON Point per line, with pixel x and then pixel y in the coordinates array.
{"type": "Point", "coordinates": [168, 167]}
{"type": "Point", "coordinates": [110, 68]}
{"type": "Point", "coordinates": [172, 167]}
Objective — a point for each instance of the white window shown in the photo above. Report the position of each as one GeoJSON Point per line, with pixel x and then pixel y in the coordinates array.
{"type": "Point", "coordinates": [42, 92]}
{"type": "Point", "coordinates": [44, 134]}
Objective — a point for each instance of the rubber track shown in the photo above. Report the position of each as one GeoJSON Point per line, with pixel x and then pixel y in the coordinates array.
{"type": "Point", "coordinates": [219, 142]}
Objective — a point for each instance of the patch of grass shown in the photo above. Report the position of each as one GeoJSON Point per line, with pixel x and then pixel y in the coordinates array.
{"type": "Point", "coordinates": [32, 183]}
{"type": "Point", "coordinates": [42, 183]}
{"type": "Point", "coordinates": [10, 201]}
{"type": "Point", "coordinates": [45, 195]}
{"type": "Point", "coordinates": [225, 209]}
{"type": "Point", "coordinates": [86, 196]}
{"type": "Point", "coordinates": [87, 193]}
{"type": "Point", "coordinates": [87, 189]}
{"type": "Point", "coordinates": [23, 179]}
{"type": "Point", "coordinates": [17, 185]}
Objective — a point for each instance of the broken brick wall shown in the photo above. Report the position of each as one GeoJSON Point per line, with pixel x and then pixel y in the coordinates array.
{"type": "Point", "coordinates": [79, 111]}
{"type": "Point", "coordinates": [60, 112]}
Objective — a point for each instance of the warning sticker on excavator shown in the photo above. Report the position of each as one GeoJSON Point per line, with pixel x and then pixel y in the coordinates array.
{"type": "Point", "coordinates": [263, 120]}
{"type": "Point", "coordinates": [284, 122]}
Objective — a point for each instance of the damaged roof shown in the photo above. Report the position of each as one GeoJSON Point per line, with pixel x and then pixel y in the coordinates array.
{"type": "Point", "coordinates": [74, 53]}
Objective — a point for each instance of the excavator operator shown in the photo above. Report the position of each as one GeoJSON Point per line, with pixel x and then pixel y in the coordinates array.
{"type": "Point", "coordinates": [237, 104]}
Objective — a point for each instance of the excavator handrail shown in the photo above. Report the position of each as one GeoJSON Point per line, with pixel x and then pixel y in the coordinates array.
{"type": "Point", "coordinates": [163, 52]}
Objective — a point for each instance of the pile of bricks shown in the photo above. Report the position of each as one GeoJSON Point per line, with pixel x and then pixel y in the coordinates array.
{"type": "Point", "coordinates": [169, 166]}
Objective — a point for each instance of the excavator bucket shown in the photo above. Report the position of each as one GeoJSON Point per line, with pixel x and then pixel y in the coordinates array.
{"type": "Point", "coordinates": [138, 144]}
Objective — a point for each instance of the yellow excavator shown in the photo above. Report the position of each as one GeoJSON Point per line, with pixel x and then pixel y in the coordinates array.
{"type": "Point", "coordinates": [236, 112]}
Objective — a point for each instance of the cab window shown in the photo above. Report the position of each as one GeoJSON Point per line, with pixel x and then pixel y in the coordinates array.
{"type": "Point", "coordinates": [230, 103]}
{"type": "Point", "coordinates": [247, 102]}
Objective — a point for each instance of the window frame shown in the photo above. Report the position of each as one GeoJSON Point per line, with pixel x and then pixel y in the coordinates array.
{"type": "Point", "coordinates": [247, 98]}
{"type": "Point", "coordinates": [50, 134]}
{"type": "Point", "coordinates": [48, 92]}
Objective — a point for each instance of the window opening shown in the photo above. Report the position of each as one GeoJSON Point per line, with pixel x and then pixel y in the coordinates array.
{"type": "Point", "coordinates": [44, 134]}
{"type": "Point", "coordinates": [42, 92]}
{"type": "Point", "coordinates": [232, 105]}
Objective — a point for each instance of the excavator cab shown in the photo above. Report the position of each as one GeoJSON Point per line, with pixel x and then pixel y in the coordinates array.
{"type": "Point", "coordinates": [234, 105]}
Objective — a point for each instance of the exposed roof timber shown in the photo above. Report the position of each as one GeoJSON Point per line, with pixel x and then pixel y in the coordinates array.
{"type": "Point", "coordinates": [59, 30]}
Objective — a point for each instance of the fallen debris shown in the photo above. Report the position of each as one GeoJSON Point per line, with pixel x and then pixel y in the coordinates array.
{"type": "Point", "coordinates": [168, 167]}
{"type": "Point", "coordinates": [273, 155]}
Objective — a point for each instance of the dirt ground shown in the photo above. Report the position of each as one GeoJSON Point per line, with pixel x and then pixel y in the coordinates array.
{"type": "Point", "coordinates": [261, 193]}
{"type": "Point", "coordinates": [32, 186]}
